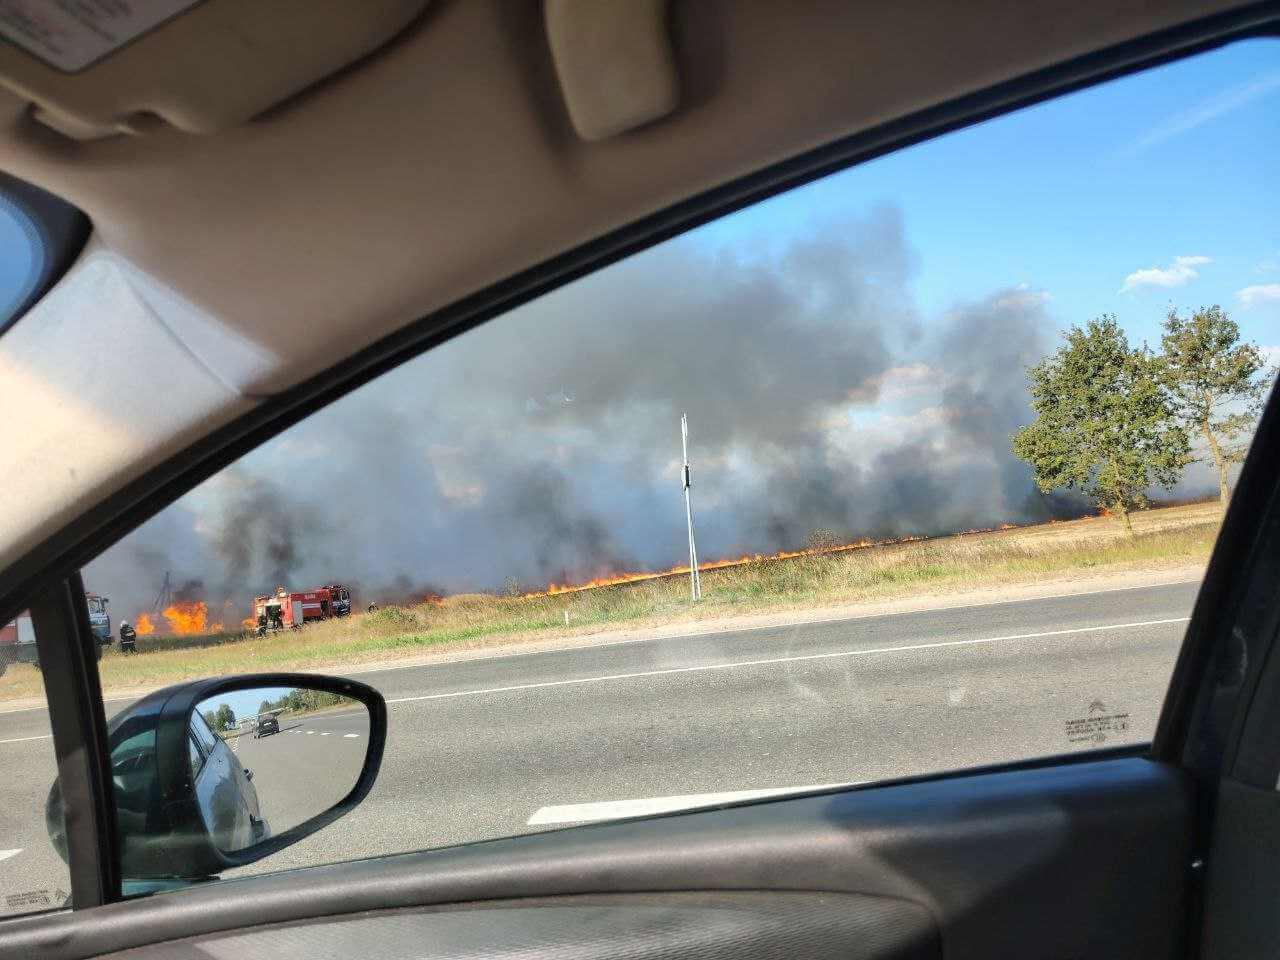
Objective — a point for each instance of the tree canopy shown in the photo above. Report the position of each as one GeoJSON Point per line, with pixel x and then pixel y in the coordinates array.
{"type": "Point", "coordinates": [1216, 384]}
{"type": "Point", "coordinates": [1104, 424]}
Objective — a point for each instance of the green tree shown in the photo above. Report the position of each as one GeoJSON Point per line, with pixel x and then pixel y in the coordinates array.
{"type": "Point", "coordinates": [265, 706]}
{"type": "Point", "coordinates": [1103, 423]}
{"type": "Point", "coordinates": [224, 717]}
{"type": "Point", "coordinates": [1215, 382]}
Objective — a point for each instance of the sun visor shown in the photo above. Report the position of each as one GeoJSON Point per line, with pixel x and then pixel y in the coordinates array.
{"type": "Point", "coordinates": [92, 70]}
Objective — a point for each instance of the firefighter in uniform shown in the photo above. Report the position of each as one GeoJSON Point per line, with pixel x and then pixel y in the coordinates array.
{"type": "Point", "coordinates": [128, 638]}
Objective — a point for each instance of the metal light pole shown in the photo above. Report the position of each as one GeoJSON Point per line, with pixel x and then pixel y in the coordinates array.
{"type": "Point", "coordinates": [695, 581]}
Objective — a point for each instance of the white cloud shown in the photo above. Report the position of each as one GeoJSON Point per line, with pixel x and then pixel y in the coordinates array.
{"type": "Point", "coordinates": [1269, 265]}
{"type": "Point", "coordinates": [1258, 294]}
{"type": "Point", "coordinates": [1210, 109]}
{"type": "Point", "coordinates": [1180, 272]}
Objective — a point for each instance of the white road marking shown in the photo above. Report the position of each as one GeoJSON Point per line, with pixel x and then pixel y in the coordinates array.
{"type": "Point", "coordinates": [310, 732]}
{"type": "Point", "coordinates": [510, 655]}
{"type": "Point", "coordinates": [6, 854]}
{"type": "Point", "coordinates": [872, 651]}
{"type": "Point", "coordinates": [648, 806]}
{"type": "Point", "coordinates": [43, 736]}
{"type": "Point", "coordinates": [326, 733]}
{"type": "Point", "coordinates": [350, 736]}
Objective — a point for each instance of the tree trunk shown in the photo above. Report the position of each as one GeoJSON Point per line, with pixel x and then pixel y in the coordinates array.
{"type": "Point", "coordinates": [1218, 461]}
{"type": "Point", "coordinates": [1123, 510]}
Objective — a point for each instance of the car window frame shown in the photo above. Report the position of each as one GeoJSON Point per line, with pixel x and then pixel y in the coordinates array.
{"type": "Point", "coordinates": [200, 727]}
{"type": "Point", "coordinates": [193, 745]}
{"type": "Point", "coordinates": [50, 571]}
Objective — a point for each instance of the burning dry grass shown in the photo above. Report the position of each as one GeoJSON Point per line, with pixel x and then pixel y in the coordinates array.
{"type": "Point", "coordinates": [1165, 538]}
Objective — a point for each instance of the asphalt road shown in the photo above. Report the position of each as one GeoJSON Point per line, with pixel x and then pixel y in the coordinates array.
{"type": "Point", "coordinates": [488, 748]}
{"type": "Point", "coordinates": [311, 764]}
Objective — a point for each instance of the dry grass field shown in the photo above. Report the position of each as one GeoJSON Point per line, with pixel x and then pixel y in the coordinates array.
{"type": "Point", "coordinates": [1165, 538]}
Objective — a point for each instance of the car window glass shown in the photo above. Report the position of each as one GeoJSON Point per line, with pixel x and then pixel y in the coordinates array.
{"type": "Point", "coordinates": [194, 755]}
{"type": "Point", "coordinates": [40, 235]}
{"type": "Point", "coordinates": [140, 742]}
{"type": "Point", "coordinates": [33, 868]}
{"type": "Point", "coordinates": [20, 268]}
{"type": "Point", "coordinates": [908, 470]}
{"type": "Point", "coordinates": [206, 737]}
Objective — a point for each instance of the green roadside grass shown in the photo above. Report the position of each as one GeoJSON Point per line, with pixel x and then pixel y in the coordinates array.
{"type": "Point", "coordinates": [891, 572]}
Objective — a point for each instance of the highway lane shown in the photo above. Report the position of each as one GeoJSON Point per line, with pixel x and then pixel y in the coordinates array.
{"type": "Point", "coordinates": [478, 748]}
{"type": "Point", "coordinates": [311, 764]}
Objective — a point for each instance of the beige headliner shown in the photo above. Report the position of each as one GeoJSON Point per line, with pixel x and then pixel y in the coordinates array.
{"type": "Point", "coordinates": [441, 164]}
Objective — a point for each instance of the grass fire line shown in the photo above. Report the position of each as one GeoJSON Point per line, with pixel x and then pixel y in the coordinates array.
{"type": "Point", "coordinates": [1173, 538]}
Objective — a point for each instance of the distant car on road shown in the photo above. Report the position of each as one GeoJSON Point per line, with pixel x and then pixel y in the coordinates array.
{"type": "Point", "coordinates": [266, 726]}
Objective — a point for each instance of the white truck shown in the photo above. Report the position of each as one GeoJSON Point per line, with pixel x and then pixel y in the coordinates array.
{"type": "Point", "coordinates": [18, 637]}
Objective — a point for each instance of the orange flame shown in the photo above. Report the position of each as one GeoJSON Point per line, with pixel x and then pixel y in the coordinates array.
{"type": "Point", "coordinates": [617, 578]}
{"type": "Point", "coordinates": [614, 579]}
{"type": "Point", "coordinates": [248, 622]}
{"type": "Point", "coordinates": [186, 617]}
{"type": "Point", "coordinates": [143, 625]}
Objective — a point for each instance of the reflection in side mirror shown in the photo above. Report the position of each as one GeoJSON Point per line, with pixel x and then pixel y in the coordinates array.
{"type": "Point", "coordinates": [307, 745]}
{"type": "Point", "coordinates": [187, 804]}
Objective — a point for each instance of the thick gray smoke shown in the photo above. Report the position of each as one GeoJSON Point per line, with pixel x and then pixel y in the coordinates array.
{"type": "Point", "coordinates": [545, 445]}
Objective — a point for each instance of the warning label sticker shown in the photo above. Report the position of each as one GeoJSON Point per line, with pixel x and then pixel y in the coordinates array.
{"type": "Point", "coordinates": [1097, 725]}
{"type": "Point", "coordinates": [72, 34]}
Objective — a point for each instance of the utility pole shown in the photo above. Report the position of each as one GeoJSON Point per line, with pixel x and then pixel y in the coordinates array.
{"type": "Point", "coordinates": [165, 597]}
{"type": "Point", "coordinates": [695, 581]}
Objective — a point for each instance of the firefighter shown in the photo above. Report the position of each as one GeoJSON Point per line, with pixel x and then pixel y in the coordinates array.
{"type": "Point", "coordinates": [128, 638]}
{"type": "Point", "coordinates": [277, 616]}
{"type": "Point", "coordinates": [262, 624]}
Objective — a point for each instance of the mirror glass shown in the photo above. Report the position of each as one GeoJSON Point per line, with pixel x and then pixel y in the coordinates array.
{"type": "Point", "coordinates": [263, 760]}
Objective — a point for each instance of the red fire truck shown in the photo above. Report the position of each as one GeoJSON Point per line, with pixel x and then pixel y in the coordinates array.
{"type": "Point", "coordinates": [283, 609]}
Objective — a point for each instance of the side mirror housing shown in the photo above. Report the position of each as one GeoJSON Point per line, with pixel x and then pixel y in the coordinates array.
{"type": "Point", "coordinates": [188, 807]}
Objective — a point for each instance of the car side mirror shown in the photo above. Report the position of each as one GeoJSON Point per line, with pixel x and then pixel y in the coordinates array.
{"type": "Point", "coordinates": [187, 805]}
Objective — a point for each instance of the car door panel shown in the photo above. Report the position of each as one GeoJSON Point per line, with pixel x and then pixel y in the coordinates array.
{"type": "Point", "coordinates": [1241, 914]}
{"type": "Point", "coordinates": [1004, 864]}
{"type": "Point", "coordinates": [816, 926]}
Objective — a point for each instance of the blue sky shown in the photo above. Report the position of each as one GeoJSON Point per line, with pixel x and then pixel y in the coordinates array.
{"type": "Point", "coordinates": [1072, 196]}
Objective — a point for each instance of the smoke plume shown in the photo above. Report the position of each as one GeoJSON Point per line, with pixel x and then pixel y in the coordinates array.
{"type": "Point", "coordinates": [544, 446]}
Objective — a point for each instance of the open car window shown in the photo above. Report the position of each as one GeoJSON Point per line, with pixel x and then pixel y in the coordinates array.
{"type": "Point", "coordinates": [913, 469]}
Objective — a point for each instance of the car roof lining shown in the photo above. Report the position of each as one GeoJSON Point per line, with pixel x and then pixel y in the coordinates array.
{"type": "Point", "coordinates": [181, 459]}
